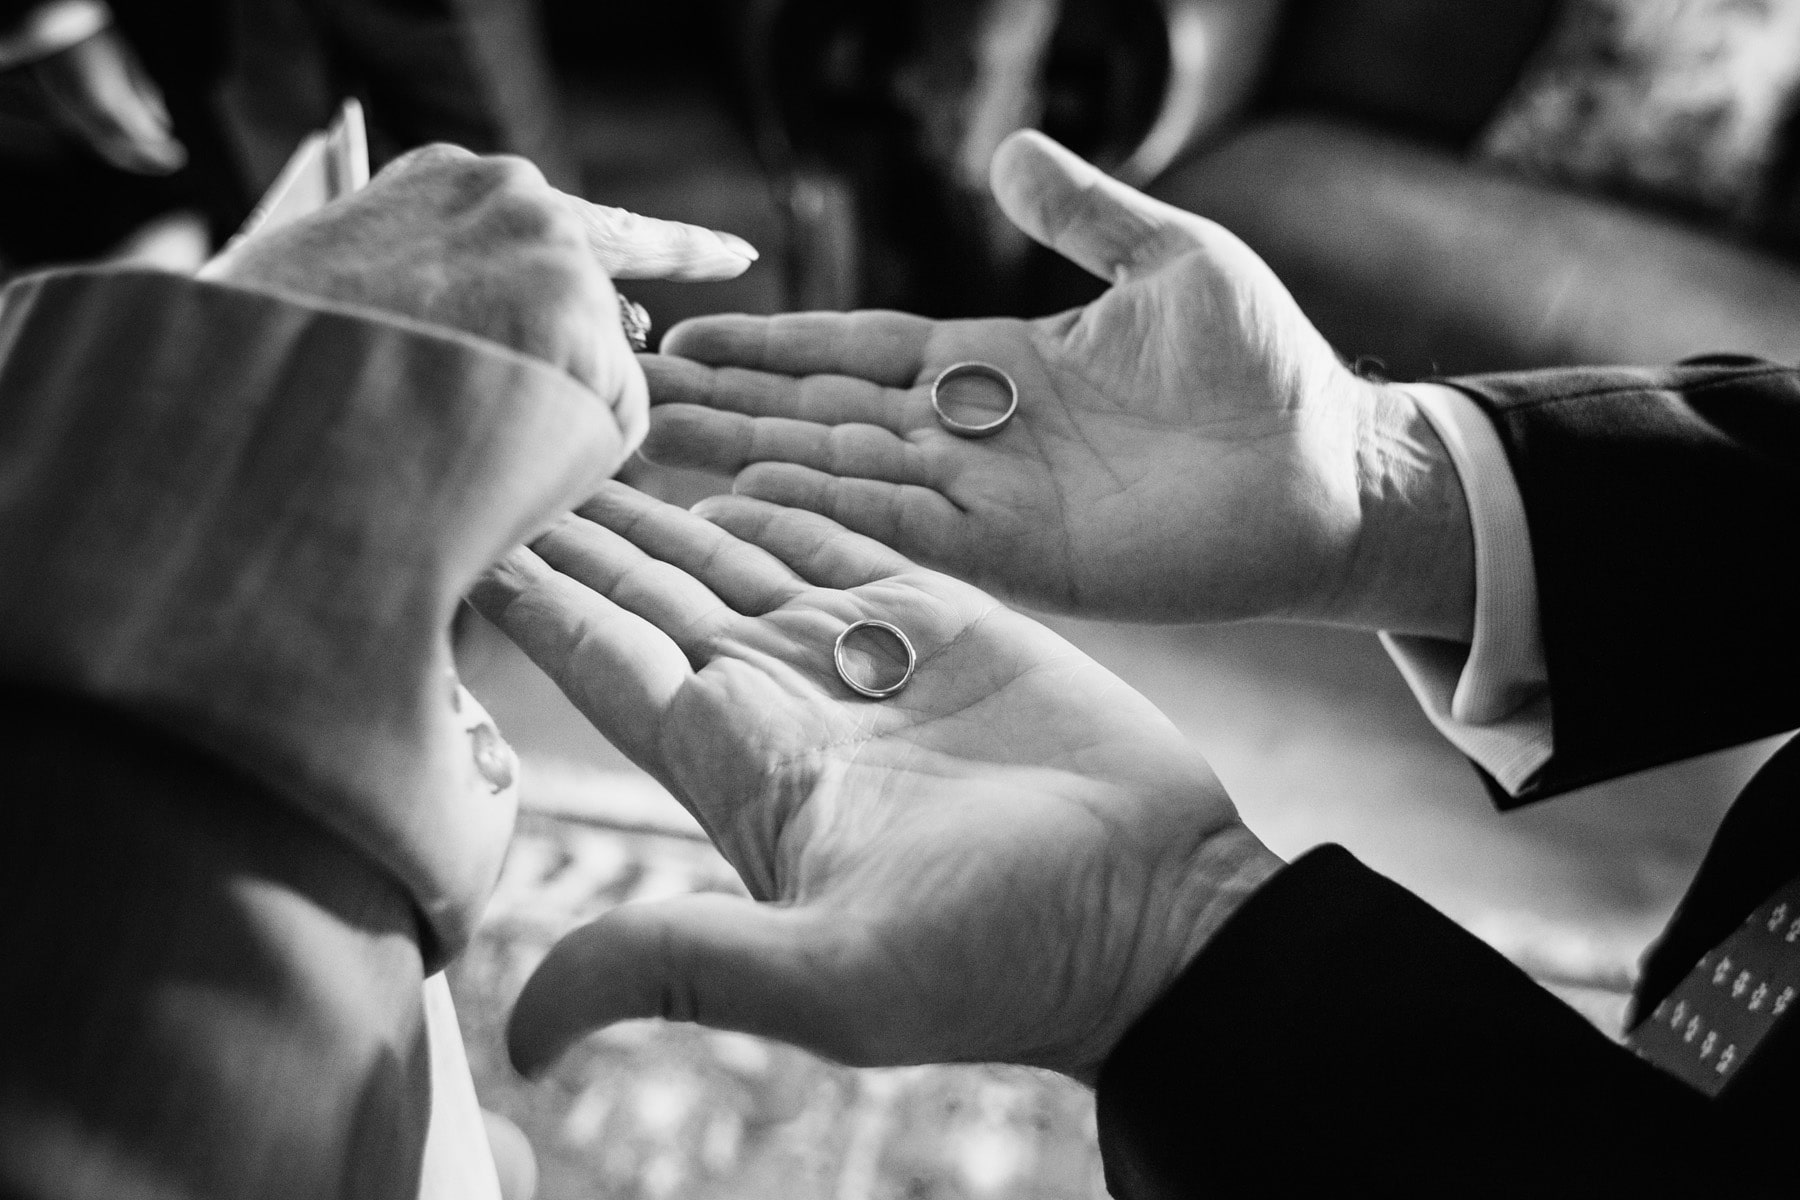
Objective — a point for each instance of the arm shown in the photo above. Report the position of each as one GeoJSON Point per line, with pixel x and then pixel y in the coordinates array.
{"type": "Point", "coordinates": [251, 806]}
{"type": "Point", "coordinates": [1395, 1054]}
{"type": "Point", "coordinates": [243, 520]}
{"type": "Point", "coordinates": [1016, 859]}
{"type": "Point", "coordinates": [247, 520]}
{"type": "Point", "coordinates": [1657, 502]}
{"type": "Point", "coordinates": [1187, 447]}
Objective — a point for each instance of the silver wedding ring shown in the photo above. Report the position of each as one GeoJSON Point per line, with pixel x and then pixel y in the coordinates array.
{"type": "Point", "coordinates": [980, 370]}
{"type": "Point", "coordinates": [863, 689]}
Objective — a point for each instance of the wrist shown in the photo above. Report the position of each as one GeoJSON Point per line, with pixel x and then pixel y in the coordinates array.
{"type": "Point", "coordinates": [1411, 566]}
{"type": "Point", "coordinates": [1211, 885]}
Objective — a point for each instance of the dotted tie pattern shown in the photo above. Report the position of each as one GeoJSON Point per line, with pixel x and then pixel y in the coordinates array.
{"type": "Point", "coordinates": [1709, 1026]}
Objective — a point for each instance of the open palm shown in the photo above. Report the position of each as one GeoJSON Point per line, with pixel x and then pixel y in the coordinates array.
{"type": "Point", "coordinates": [1008, 860]}
{"type": "Point", "coordinates": [1187, 446]}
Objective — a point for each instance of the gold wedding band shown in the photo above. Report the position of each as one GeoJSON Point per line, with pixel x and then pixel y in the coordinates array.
{"type": "Point", "coordinates": [863, 689]}
{"type": "Point", "coordinates": [965, 429]}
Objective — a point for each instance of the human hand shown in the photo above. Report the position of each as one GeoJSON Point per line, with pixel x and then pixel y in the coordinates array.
{"type": "Point", "coordinates": [98, 91]}
{"type": "Point", "coordinates": [1009, 860]}
{"type": "Point", "coordinates": [1186, 447]}
{"type": "Point", "coordinates": [486, 246]}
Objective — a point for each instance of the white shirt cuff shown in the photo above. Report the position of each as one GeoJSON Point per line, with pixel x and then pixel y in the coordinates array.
{"type": "Point", "coordinates": [1491, 699]}
{"type": "Point", "coordinates": [50, 29]}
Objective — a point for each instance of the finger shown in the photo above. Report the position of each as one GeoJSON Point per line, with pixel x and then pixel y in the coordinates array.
{"type": "Point", "coordinates": [98, 89]}
{"type": "Point", "coordinates": [686, 436]}
{"type": "Point", "coordinates": [720, 961]}
{"type": "Point", "coordinates": [633, 247]}
{"type": "Point", "coordinates": [746, 577]}
{"type": "Point", "coordinates": [884, 348]}
{"type": "Point", "coordinates": [1085, 215]}
{"type": "Point", "coordinates": [686, 611]}
{"type": "Point", "coordinates": [514, 1161]}
{"type": "Point", "coordinates": [826, 399]}
{"type": "Point", "coordinates": [619, 670]}
{"type": "Point", "coordinates": [817, 547]}
{"type": "Point", "coordinates": [617, 373]}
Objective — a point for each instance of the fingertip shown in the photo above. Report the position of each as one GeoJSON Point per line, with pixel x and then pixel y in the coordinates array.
{"type": "Point", "coordinates": [547, 1017]}
{"type": "Point", "coordinates": [722, 509]}
{"type": "Point", "coordinates": [667, 444]}
{"type": "Point", "coordinates": [713, 264]}
{"type": "Point", "coordinates": [633, 415]}
{"type": "Point", "coordinates": [164, 156]}
{"type": "Point", "coordinates": [738, 246]}
{"type": "Point", "coordinates": [726, 258]}
{"type": "Point", "coordinates": [1015, 152]}
{"type": "Point", "coordinates": [777, 483]}
{"type": "Point", "coordinates": [690, 339]}
{"type": "Point", "coordinates": [531, 1053]}
{"type": "Point", "coordinates": [1023, 165]}
{"type": "Point", "coordinates": [620, 383]}
{"type": "Point", "coordinates": [505, 581]}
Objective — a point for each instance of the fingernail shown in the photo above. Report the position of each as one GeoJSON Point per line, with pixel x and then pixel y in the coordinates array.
{"type": "Point", "coordinates": [738, 245]}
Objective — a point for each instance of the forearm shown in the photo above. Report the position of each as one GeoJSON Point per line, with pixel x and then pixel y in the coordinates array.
{"type": "Point", "coordinates": [207, 993]}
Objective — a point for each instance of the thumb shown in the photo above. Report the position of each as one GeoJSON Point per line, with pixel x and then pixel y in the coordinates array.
{"type": "Point", "coordinates": [1088, 217]}
{"type": "Point", "coordinates": [714, 960]}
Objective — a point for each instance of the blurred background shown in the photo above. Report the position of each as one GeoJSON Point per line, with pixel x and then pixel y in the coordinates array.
{"type": "Point", "coordinates": [1448, 186]}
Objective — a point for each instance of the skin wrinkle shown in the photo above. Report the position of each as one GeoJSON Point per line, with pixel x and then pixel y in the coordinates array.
{"type": "Point", "coordinates": [627, 581]}
{"type": "Point", "coordinates": [826, 749]}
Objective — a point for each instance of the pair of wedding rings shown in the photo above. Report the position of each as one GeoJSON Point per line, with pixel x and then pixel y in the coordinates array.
{"type": "Point", "coordinates": [964, 429]}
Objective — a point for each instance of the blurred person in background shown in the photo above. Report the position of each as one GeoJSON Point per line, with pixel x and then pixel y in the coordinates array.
{"type": "Point", "coordinates": [149, 128]}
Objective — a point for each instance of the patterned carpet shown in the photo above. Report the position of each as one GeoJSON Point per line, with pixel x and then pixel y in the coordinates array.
{"type": "Point", "coordinates": [652, 1110]}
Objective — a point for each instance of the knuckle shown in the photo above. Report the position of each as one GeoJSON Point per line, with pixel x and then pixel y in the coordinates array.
{"type": "Point", "coordinates": [519, 217]}
{"type": "Point", "coordinates": [534, 214]}
{"type": "Point", "coordinates": [435, 156]}
{"type": "Point", "coordinates": [510, 177]}
{"type": "Point", "coordinates": [512, 169]}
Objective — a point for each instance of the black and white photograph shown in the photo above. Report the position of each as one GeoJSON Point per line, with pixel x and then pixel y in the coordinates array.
{"type": "Point", "coordinates": [899, 599]}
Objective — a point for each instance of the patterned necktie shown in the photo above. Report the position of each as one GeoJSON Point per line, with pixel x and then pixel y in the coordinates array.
{"type": "Point", "coordinates": [1710, 1025]}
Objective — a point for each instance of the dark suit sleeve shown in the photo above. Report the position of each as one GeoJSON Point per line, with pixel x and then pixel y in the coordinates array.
{"type": "Point", "coordinates": [1663, 507]}
{"type": "Point", "coordinates": [1340, 1037]}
